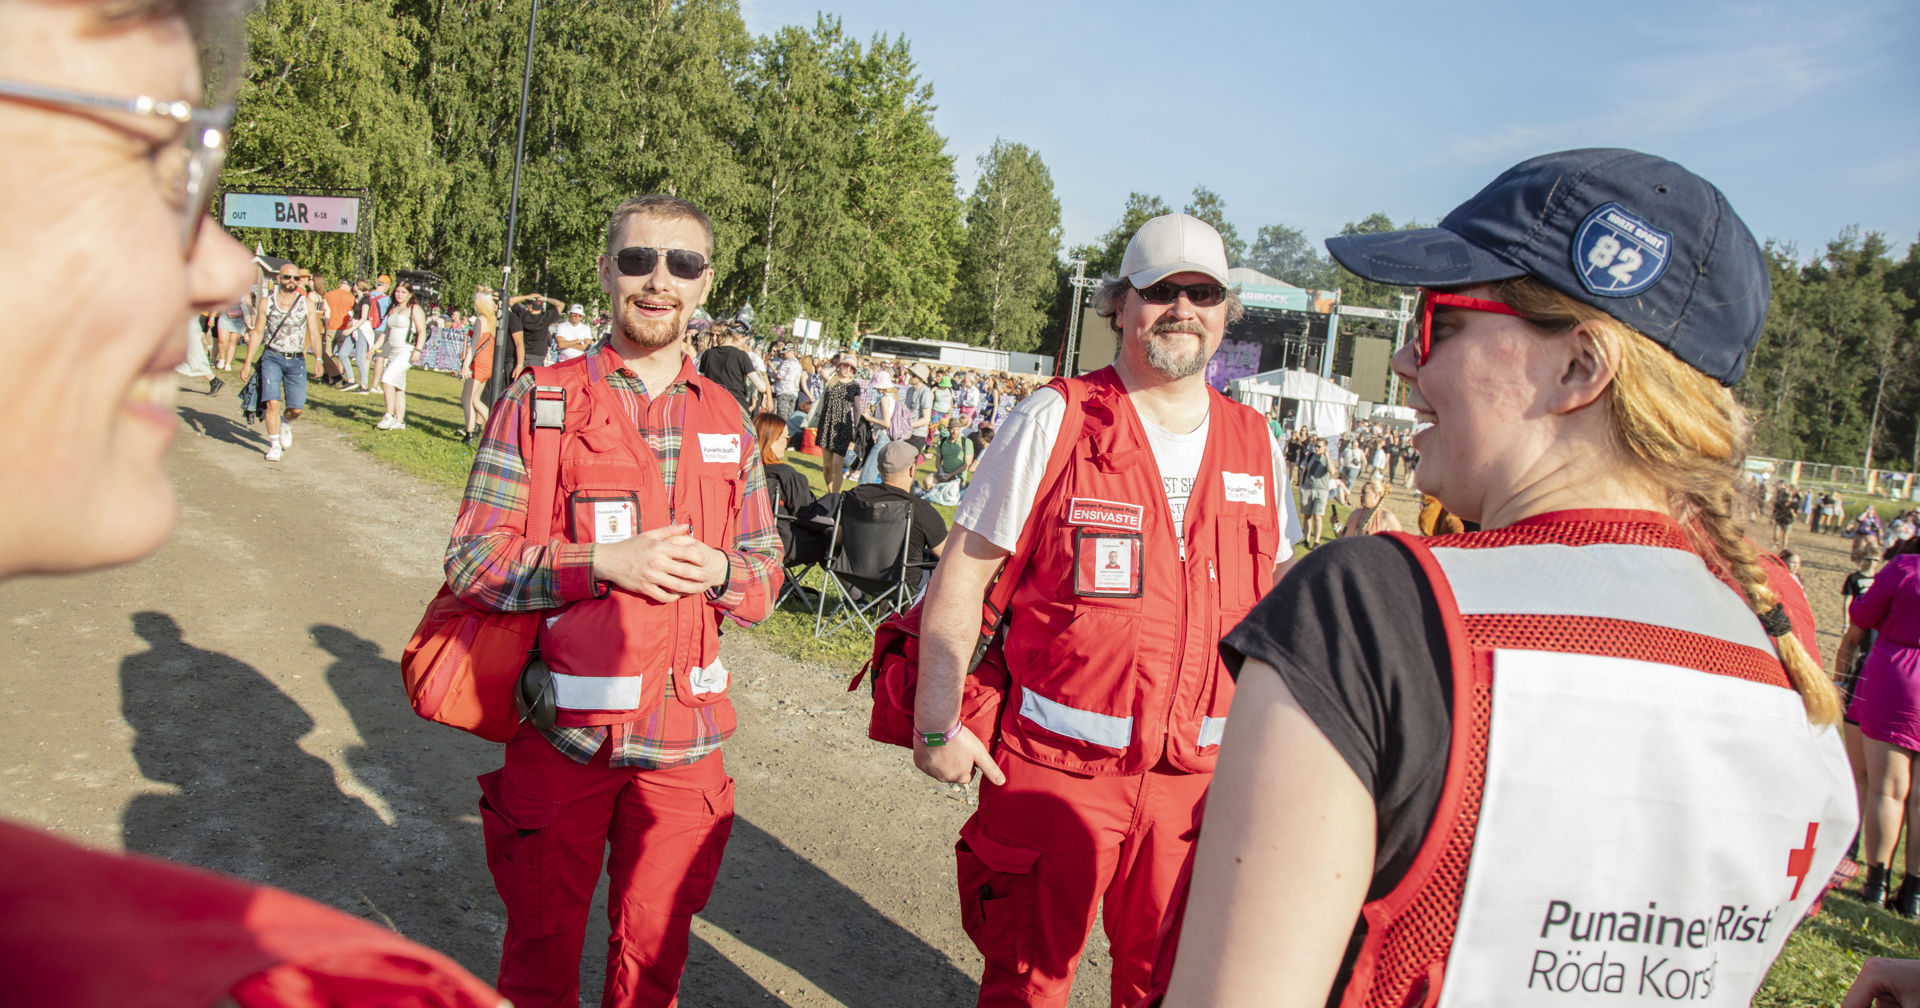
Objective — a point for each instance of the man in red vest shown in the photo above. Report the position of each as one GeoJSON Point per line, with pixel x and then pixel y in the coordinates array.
{"type": "Point", "coordinates": [661, 528]}
{"type": "Point", "coordinates": [1137, 543]}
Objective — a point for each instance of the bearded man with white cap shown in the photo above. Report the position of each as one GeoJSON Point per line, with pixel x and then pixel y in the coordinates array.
{"type": "Point", "coordinates": [1144, 513]}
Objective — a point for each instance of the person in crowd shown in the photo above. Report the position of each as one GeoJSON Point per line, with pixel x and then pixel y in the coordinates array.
{"type": "Point", "coordinates": [1316, 490]}
{"type": "Point", "coordinates": [927, 536]}
{"type": "Point", "coordinates": [1372, 515]}
{"type": "Point", "coordinates": [406, 323]}
{"type": "Point", "coordinates": [537, 314]}
{"type": "Point", "coordinates": [1668, 747]}
{"type": "Point", "coordinates": [1849, 657]}
{"type": "Point", "coordinates": [1108, 741]}
{"type": "Point", "coordinates": [785, 380]}
{"type": "Point", "coordinates": [628, 773]}
{"type": "Point", "coordinates": [371, 310]}
{"type": "Point", "coordinates": [1886, 707]}
{"type": "Point", "coordinates": [726, 362]}
{"type": "Point", "coordinates": [839, 401]}
{"type": "Point", "coordinates": [278, 341]}
{"type": "Point", "coordinates": [316, 341]}
{"type": "Point", "coordinates": [918, 402]}
{"type": "Point", "coordinates": [476, 364]}
{"type": "Point", "coordinates": [1781, 512]}
{"type": "Point", "coordinates": [232, 323]}
{"type": "Point", "coordinates": [953, 462]}
{"type": "Point", "coordinates": [339, 305]}
{"type": "Point", "coordinates": [1791, 561]}
{"type": "Point", "coordinates": [126, 109]}
{"type": "Point", "coordinates": [882, 415]}
{"type": "Point", "coordinates": [792, 496]}
{"type": "Point", "coordinates": [573, 337]}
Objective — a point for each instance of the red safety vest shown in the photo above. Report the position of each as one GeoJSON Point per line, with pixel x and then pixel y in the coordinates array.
{"type": "Point", "coordinates": [611, 655]}
{"type": "Point", "coordinates": [86, 928]}
{"type": "Point", "coordinates": [1635, 805]}
{"type": "Point", "coordinates": [1111, 635]}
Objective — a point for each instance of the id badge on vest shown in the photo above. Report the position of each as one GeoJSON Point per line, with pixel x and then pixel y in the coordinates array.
{"type": "Point", "coordinates": [1107, 564]}
{"type": "Point", "coordinates": [603, 516]}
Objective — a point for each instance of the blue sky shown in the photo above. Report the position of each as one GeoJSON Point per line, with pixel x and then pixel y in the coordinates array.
{"type": "Point", "coordinates": [1807, 115]}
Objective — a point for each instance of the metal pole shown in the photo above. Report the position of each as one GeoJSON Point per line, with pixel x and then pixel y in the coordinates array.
{"type": "Point", "coordinates": [502, 353]}
{"type": "Point", "coordinates": [1070, 354]}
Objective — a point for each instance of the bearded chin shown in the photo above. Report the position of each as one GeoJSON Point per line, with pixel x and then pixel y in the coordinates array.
{"type": "Point", "coordinates": [650, 334]}
{"type": "Point", "coordinates": [1174, 363]}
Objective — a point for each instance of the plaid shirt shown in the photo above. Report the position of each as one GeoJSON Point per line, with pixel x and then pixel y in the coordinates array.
{"type": "Point", "coordinates": [491, 564]}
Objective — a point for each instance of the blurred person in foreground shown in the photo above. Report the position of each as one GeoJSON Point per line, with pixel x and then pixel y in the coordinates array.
{"type": "Point", "coordinates": [127, 141]}
{"type": "Point", "coordinates": [1493, 767]}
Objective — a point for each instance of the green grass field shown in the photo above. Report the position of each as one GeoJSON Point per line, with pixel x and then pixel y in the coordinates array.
{"type": "Point", "coordinates": [1821, 957]}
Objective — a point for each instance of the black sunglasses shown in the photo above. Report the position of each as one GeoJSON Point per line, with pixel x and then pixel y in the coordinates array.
{"type": "Point", "coordinates": [1203, 295]}
{"type": "Point", "coordinates": [638, 260]}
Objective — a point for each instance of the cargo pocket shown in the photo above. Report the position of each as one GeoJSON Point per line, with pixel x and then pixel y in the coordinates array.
{"type": "Point", "coordinates": [996, 898]}
{"type": "Point", "coordinates": [515, 826]}
{"type": "Point", "coordinates": [704, 869]}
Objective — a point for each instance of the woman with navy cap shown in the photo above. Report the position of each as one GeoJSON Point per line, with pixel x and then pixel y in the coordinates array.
{"type": "Point", "coordinates": [1587, 749]}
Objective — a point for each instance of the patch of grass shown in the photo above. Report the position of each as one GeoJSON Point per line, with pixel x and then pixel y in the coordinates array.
{"type": "Point", "coordinates": [1824, 954]}
{"type": "Point", "coordinates": [429, 448]}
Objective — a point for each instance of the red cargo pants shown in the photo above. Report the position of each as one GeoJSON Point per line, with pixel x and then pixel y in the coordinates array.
{"type": "Point", "coordinates": [1047, 849]}
{"type": "Point", "coordinates": [549, 820]}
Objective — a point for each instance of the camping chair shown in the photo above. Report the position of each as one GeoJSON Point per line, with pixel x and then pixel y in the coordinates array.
{"type": "Point", "coordinates": [867, 566]}
{"type": "Point", "coordinates": [802, 548]}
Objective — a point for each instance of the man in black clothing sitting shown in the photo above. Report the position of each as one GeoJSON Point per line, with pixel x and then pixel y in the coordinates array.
{"type": "Point", "coordinates": [929, 532]}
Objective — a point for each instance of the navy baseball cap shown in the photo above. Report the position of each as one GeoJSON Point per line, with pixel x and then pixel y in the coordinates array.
{"type": "Point", "coordinates": [1638, 237]}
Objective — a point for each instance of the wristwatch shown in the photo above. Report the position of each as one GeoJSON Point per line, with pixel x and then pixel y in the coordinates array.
{"type": "Point", "coordinates": [933, 739]}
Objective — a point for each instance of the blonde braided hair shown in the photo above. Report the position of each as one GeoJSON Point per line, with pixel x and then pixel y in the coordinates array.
{"type": "Point", "coordinates": [1683, 431]}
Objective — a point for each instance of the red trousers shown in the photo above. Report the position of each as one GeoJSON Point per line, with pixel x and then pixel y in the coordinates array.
{"type": "Point", "coordinates": [548, 822]}
{"type": "Point", "coordinates": [1047, 849]}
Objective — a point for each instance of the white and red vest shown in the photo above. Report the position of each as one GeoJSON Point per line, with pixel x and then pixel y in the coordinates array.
{"type": "Point", "coordinates": [1112, 633]}
{"type": "Point", "coordinates": [1636, 810]}
{"type": "Point", "coordinates": [611, 655]}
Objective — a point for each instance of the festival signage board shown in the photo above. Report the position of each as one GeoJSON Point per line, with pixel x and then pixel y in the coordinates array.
{"type": "Point", "coordinates": [291, 213]}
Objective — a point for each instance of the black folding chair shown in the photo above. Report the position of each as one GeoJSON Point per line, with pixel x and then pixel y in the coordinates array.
{"type": "Point", "coordinates": [867, 568]}
{"type": "Point", "coordinates": [803, 548]}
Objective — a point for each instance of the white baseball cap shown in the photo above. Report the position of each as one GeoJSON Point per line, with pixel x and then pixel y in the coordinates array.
{"type": "Point", "coordinates": [576, 310]}
{"type": "Point", "coordinates": [1174, 243]}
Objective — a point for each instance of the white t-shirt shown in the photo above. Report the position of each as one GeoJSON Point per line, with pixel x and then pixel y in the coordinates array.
{"type": "Point", "coordinates": [1000, 496]}
{"type": "Point", "coordinates": [572, 331]}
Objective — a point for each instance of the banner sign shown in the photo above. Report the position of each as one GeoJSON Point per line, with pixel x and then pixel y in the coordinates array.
{"type": "Point", "coordinates": [291, 213]}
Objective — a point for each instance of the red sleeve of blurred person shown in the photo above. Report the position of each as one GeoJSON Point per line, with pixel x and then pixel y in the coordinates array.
{"type": "Point", "coordinates": [86, 928]}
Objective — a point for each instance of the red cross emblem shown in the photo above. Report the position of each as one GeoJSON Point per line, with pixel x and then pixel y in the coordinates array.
{"type": "Point", "coordinates": [1800, 862]}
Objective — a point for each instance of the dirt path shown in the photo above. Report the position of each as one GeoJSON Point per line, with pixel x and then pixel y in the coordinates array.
{"type": "Point", "coordinates": [234, 702]}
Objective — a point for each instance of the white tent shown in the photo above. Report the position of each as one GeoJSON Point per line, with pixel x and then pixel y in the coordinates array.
{"type": "Point", "coordinates": [1325, 407]}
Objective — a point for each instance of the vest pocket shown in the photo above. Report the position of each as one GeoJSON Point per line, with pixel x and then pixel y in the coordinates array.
{"type": "Point", "coordinates": [996, 898]}
{"type": "Point", "coordinates": [1246, 553]}
{"type": "Point", "coordinates": [714, 516]}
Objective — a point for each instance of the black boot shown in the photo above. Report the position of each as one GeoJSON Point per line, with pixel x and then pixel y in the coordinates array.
{"type": "Point", "coordinates": [1874, 891]}
{"type": "Point", "coordinates": [1906, 902]}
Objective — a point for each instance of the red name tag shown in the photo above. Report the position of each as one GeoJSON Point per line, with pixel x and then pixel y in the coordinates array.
{"type": "Point", "coordinates": [1115, 514]}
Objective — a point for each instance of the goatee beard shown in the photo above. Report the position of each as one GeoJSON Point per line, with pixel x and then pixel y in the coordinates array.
{"type": "Point", "coordinates": [1171, 363]}
{"type": "Point", "coordinates": [649, 334]}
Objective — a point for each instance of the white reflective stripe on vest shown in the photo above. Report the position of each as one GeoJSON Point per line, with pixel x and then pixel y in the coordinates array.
{"type": "Point", "coordinates": [711, 679]}
{"type": "Point", "coordinates": [1665, 587]}
{"type": "Point", "coordinates": [1211, 729]}
{"type": "Point", "coordinates": [578, 692]}
{"type": "Point", "coordinates": [1087, 726]}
